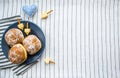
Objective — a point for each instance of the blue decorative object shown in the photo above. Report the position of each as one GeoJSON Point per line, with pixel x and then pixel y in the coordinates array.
{"type": "Point", "coordinates": [34, 30]}
{"type": "Point", "coordinates": [29, 10]}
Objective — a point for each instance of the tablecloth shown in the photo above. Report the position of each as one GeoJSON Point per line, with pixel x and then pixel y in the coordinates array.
{"type": "Point", "coordinates": [82, 37]}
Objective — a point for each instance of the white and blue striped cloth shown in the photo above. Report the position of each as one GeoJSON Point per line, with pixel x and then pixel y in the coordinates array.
{"type": "Point", "coordinates": [4, 62]}
{"type": "Point", "coordinates": [82, 37]}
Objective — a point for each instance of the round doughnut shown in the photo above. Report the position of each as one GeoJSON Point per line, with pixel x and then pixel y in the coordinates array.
{"type": "Point", "coordinates": [17, 54]}
{"type": "Point", "coordinates": [14, 36]}
{"type": "Point", "coordinates": [32, 44]}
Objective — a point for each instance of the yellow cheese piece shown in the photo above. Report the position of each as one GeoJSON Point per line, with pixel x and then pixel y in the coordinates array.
{"type": "Point", "coordinates": [48, 60]}
{"type": "Point", "coordinates": [27, 31]}
{"type": "Point", "coordinates": [21, 26]}
{"type": "Point", "coordinates": [45, 14]}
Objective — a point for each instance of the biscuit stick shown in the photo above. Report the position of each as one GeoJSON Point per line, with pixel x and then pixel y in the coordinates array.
{"type": "Point", "coordinates": [27, 30]}
{"type": "Point", "coordinates": [45, 14]}
{"type": "Point", "coordinates": [48, 61]}
{"type": "Point", "coordinates": [20, 25]}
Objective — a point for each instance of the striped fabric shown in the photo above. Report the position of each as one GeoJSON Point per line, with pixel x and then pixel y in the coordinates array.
{"type": "Point", "coordinates": [4, 62]}
{"type": "Point", "coordinates": [82, 37]}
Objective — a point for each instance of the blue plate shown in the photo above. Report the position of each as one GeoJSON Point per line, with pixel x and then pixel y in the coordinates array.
{"type": "Point", "coordinates": [34, 30]}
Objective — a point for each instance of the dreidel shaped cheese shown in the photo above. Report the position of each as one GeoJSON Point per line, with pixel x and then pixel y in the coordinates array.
{"type": "Point", "coordinates": [48, 61]}
{"type": "Point", "coordinates": [45, 14]}
{"type": "Point", "coordinates": [20, 25]}
{"type": "Point", "coordinates": [27, 30]}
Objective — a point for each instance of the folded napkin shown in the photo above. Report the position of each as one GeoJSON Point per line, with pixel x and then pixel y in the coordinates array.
{"type": "Point", "coordinates": [4, 62]}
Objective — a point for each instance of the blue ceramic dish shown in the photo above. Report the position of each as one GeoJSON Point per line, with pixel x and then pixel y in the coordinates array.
{"type": "Point", "coordinates": [35, 30]}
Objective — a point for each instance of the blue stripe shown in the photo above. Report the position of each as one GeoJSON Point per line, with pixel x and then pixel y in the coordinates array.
{"type": "Point", "coordinates": [3, 29]}
{"type": "Point", "coordinates": [1, 55]}
{"type": "Point", "coordinates": [4, 61]}
{"type": "Point", "coordinates": [13, 20]}
{"type": "Point", "coordinates": [5, 25]}
{"type": "Point", "coordinates": [5, 65]}
{"type": "Point", "coordinates": [9, 17]}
